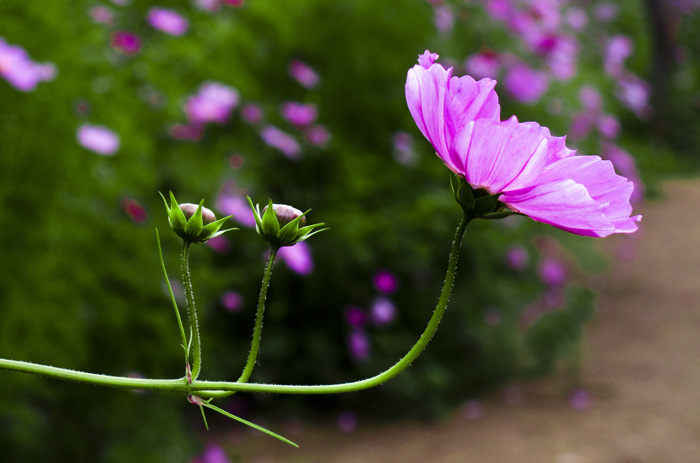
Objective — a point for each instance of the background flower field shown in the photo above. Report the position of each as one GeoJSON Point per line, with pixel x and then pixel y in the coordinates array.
{"type": "Point", "coordinates": [107, 103]}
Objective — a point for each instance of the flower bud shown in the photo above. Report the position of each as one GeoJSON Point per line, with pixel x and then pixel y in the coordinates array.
{"type": "Point", "coordinates": [286, 214]}
{"type": "Point", "coordinates": [279, 224]}
{"type": "Point", "coordinates": [193, 223]}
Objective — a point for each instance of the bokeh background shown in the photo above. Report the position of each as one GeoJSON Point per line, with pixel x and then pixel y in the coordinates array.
{"type": "Point", "coordinates": [104, 104]}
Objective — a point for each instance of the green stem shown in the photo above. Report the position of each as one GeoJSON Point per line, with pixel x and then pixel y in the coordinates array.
{"type": "Point", "coordinates": [194, 326]}
{"type": "Point", "coordinates": [257, 331]}
{"type": "Point", "coordinates": [222, 388]}
{"type": "Point", "coordinates": [172, 298]}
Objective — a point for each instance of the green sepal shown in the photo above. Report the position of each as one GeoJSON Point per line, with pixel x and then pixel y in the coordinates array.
{"type": "Point", "coordinates": [193, 227]}
{"type": "Point", "coordinates": [462, 191]}
{"type": "Point", "coordinates": [270, 224]}
{"type": "Point", "coordinates": [487, 205]}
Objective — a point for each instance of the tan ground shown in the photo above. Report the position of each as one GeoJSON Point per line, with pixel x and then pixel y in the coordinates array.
{"type": "Point", "coordinates": [642, 370]}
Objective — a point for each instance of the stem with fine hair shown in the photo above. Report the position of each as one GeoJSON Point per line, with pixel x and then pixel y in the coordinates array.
{"type": "Point", "coordinates": [222, 388]}
{"type": "Point", "coordinates": [257, 331]}
{"type": "Point", "coordinates": [194, 326]}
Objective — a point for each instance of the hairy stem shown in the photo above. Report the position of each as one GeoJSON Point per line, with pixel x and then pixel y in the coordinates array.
{"type": "Point", "coordinates": [194, 326]}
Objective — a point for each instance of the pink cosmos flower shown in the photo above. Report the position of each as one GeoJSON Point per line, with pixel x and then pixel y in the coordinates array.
{"type": "Point", "coordinates": [167, 21]}
{"type": "Point", "coordinates": [531, 171]}
{"type": "Point", "coordinates": [20, 71]}
{"type": "Point", "coordinates": [297, 258]}
{"type": "Point", "coordinates": [303, 73]}
{"type": "Point", "coordinates": [284, 142]}
{"type": "Point", "coordinates": [126, 42]}
{"type": "Point", "coordinates": [99, 139]}
{"type": "Point", "coordinates": [213, 103]}
{"type": "Point", "coordinates": [298, 114]}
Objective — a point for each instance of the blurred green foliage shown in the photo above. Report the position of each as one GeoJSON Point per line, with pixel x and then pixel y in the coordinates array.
{"type": "Point", "coordinates": [81, 282]}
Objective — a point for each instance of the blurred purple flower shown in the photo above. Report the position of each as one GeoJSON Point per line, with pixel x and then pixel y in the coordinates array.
{"type": "Point", "coordinates": [499, 10]}
{"type": "Point", "coordinates": [20, 71]}
{"type": "Point", "coordinates": [126, 42]}
{"type": "Point", "coordinates": [102, 15]}
{"type": "Point", "coordinates": [581, 400]}
{"type": "Point", "coordinates": [347, 422]}
{"type": "Point", "coordinates": [473, 409]}
{"type": "Point", "coordinates": [517, 258]}
{"type": "Point", "coordinates": [234, 3]}
{"type": "Point", "coordinates": [385, 281]}
{"type": "Point", "coordinates": [534, 172]}
{"type": "Point", "coordinates": [208, 5]}
{"type": "Point", "coordinates": [213, 453]}
{"type": "Point", "coordinates": [355, 316]}
{"type": "Point", "coordinates": [317, 135]}
{"type": "Point", "coordinates": [298, 114]}
{"type": "Point", "coordinates": [284, 142]}
{"type": "Point", "coordinates": [608, 126]}
{"type": "Point", "coordinates": [552, 272]}
{"type": "Point", "coordinates": [212, 103]}
{"type": "Point", "coordinates": [577, 18]}
{"type": "Point", "coordinates": [98, 139]}
{"type": "Point", "coordinates": [303, 73]}
{"type": "Point", "coordinates": [358, 344]}
{"type": "Point", "coordinates": [134, 210]}
{"type": "Point", "coordinates": [444, 19]}
{"type": "Point", "coordinates": [230, 203]}
{"type": "Point", "coordinates": [525, 84]}
{"type": "Point", "coordinates": [606, 11]}
{"type": "Point", "coordinates": [297, 258]}
{"type": "Point", "coordinates": [590, 98]}
{"type": "Point", "coordinates": [634, 93]}
{"type": "Point", "coordinates": [231, 301]}
{"type": "Point", "coordinates": [219, 244]}
{"type": "Point", "coordinates": [191, 132]}
{"type": "Point", "coordinates": [581, 124]}
{"type": "Point", "coordinates": [483, 64]}
{"type": "Point", "coordinates": [617, 50]}
{"type": "Point", "coordinates": [167, 21]}
{"type": "Point", "coordinates": [383, 311]}
{"type": "Point", "coordinates": [403, 152]}
{"type": "Point", "coordinates": [252, 113]}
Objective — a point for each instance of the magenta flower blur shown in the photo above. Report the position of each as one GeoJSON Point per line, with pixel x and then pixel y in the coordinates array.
{"type": "Point", "coordinates": [167, 21]}
{"type": "Point", "coordinates": [98, 139]}
{"type": "Point", "coordinates": [358, 345]}
{"type": "Point", "coordinates": [317, 135]}
{"type": "Point", "coordinates": [213, 453]}
{"type": "Point", "coordinates": [355, 316]}
{"type": "Point", "coordinates": [483, 64]}
{"type": "Point", "coordinates": [126, 42]}
{"type": "Point", "coordinates": [134, 210]}
{"type": "Point", "coordinates": [552, 272]}
{"type": "Point", "coordinates": [252, 113]}
{"type": "Point", "coordinates": [20, 71]}
{"type": "Point", "coordinates": [297, 258]}
{"type": "Point", "coordinates": [517, 258]}
{"type": "Point", "coordinates": [235, 205]}
{"type": "Point", "coordinates": [189, 132]}
{"type": "Point", "coordinates": [304, 74]}
{"type": "Point", "coordinates": [618, 49]}
{"type": "Point", "coordinates": [383, 311]}
{"type": "Point", "coordinates": [214, 102]}
{"type": "Point", "coordinates": [525, 84]}
{"type": "Point", "coordinates": [385, 281]}
{"type": "Point", "coordinates": [231, 301]}
{"type": "Point", "coordinates": [282, 141]}
{"type": "Point", "coordinates": [531, 172]}
{"type": "Point", "coordinates": [298, 114]}
{"type": "Point", "coordinates": [102, 14]}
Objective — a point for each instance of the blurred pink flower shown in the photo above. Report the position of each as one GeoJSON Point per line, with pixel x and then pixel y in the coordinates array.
{"type": "Point", "coordinates": [317, 135]}
{"type": "Point", "coordinates": [213, 453]}
{"type": "Point", "coordinates": [383, 311]}
{"type": "Point", "coordinates": [20, 71]}
{"type": "Point", "coordinates": [534, 172]}
{"type": "Point", "coordinates": [358, 344]}
{"type": "Point", "coordinates": [284, 142]}
{"type": "Point", "coordinates": [102, 15]}
{"type": "Point", "coordinates": [444, 19]}
{"type": "Point", "coordinates": [299, 114]}
{"type": "Point", "coordinates": [134, 210]}
{"type": "Point", "coordinates": [606, 11]}
{"type": "Point", "coordinates": [98, 139]}
{"type": "Point", "coordinates": [581, 400]}
{"type": "Point", "coordinates": [385, 281]}
{"type": "Point", "coordinates": [167, 21]}
{"type": "Point", "coordinates": [231, 301]}
{"type": "Point", "coordinates": [552, 272]}
{"type": "Point", "coordinates": [208, 5]}
{"type": "Point", "coordinates": [499, 10]}
{"type": "Point", "coordinates": [517, 258]}
{"type": "Point", "coordinates": [214, 102]}
{"type": "Point", "coordinates": [483, 64]}
{"type": "Point", "coordinates": [252, 113]}
{"type": "Point", "coordinates": [634, 93]}
{"type": "Point", "coordinates": [608, 126]}
{"type": "Point", "coordinates": [590, 98]}
{"type": "Point", "coordinates": [577, 18]}
{"type": "Point", "coordinates": [355, 316]}
{"type": "Point", "coordinates": [525, 84]}
{"type": "Point", "coordinates": [617, 50]}
{"type": "Point", "coordinates": [219, 244]}
{"type": "Point", "coordinates": [473, 409]}
{"type": "Point", "coordinates": [231, 203]}
{"type": "Point", "coordinates": [403, 149]}
{"type": "Point", "coordinates": [303, 73]}
{"type": "Point", "coordinates": [297, 258]}
{"type": "Point", "coordinates": [189, 132]}
{"type": "Point", "coordinates": [126, 42]}
{"type": "Point", "coordinates": [347, 422]}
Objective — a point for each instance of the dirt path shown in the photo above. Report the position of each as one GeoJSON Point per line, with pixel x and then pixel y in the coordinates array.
{"type": "Point", "coordinates": [641, 370]}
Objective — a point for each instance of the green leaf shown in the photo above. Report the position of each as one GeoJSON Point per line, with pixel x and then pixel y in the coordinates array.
{"type": "Point", "coordinates": [248, 423]}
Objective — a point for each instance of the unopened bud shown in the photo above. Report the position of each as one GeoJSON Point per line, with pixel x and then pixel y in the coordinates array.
{"type": "Point", "coordinates": [194, 223]}
{"type": "Point", "coordinates": [190, 209]}
{"type": "Point", "coordinates": [282, 225]}
{"type": "Point", "coordinates": [286, 214]}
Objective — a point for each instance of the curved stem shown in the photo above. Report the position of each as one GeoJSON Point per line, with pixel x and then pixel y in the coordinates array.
{"type": "Point", "coordinates": [194, 326]}
{"type": "Point", "coordinates": [257, 331]}
{"type": "Point", "coordinates": [222, 388]}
